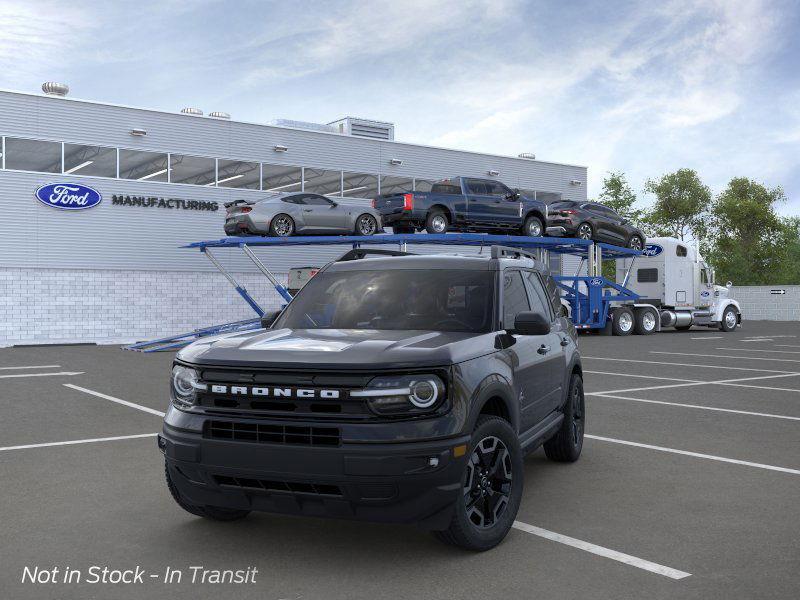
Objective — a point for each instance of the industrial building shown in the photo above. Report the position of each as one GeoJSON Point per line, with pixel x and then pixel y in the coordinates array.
{"type": "Point", "coordinates": [116, 271]}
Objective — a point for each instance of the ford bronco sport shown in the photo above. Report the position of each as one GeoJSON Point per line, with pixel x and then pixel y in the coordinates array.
{"type": "Point", "coordinates": [393, 387]}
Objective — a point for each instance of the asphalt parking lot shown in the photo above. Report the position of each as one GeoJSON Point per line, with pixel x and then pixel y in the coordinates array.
{"type": "Point", "coordinates": [687, 487]}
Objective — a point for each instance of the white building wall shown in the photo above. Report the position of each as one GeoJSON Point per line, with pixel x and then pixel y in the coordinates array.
{"type": "Point", "coordinates": [759, 303]}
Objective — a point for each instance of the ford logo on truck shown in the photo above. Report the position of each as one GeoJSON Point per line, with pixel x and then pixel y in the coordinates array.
{"type": "Point", "coordinates": [68, 196]}
{"type": "Point", "coordinates": [652, 250]}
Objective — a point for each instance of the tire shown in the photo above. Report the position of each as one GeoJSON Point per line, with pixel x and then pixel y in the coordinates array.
{"type": "Point", "coordinates": [403, 229]}
{"type": "Point", "coordinates": [470, 529]}
{"type": "Point", "coordinates": [281, 225]}
{"type": "Point", "coordinates": [366, 225]}
{"type": "Point", "coordinates": [622, 322]}
{"type": "Point", "coordinates": [729, 320]}
{"type": "Point", "coordinates": [436, 222]}
{"type": "Point", "coordinates": [584, 231]}
{"type": "Point", "coordinates": [645, 322]}
{"type": "Point", "coordinates": [214, 513]}
{"type": "Point", "coordinates": [635, 243]}
{"type": "Point", "coordinates": [533, 227]}
{"type": "Point", "coordinates": [567, 443]}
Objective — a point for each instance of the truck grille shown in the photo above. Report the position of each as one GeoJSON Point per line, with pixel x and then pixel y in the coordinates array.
{"type": "Point", "coordinates": [292, 487]}
{"type": "Point", "coordinates": [266, 433]}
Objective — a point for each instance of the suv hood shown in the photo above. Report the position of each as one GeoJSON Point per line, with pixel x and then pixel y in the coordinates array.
{"type": "Point", "coordinates": [357, 349]}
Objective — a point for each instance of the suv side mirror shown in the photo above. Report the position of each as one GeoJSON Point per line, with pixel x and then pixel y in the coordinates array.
{"type": "Point", "coordinates": [268, 318]}
{"type": "Point", "coordinates": [531, 323]}
{"type": "Point", "coordinates": [334, 204]}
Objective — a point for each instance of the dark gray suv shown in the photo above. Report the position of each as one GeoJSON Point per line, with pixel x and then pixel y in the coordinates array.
{"type": "Point", "coordinates": [398, 388]}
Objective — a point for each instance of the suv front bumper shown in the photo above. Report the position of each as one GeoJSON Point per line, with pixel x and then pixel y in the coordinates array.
{"type": "Point", "coordinates": [409, 482]}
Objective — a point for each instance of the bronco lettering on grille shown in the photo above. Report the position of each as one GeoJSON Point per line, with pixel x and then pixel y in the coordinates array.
{"type": "Point", "coordinates": [275, 392]}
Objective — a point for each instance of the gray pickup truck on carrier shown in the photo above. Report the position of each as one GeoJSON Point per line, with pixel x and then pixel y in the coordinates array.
{"type": "Point", "coordinates": [464, 204]}
{"type": "Point", "coordinates": [393, 387]}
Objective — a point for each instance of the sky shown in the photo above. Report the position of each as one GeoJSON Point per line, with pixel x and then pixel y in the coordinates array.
{"type": "Point", "coordinates": [639, 87]}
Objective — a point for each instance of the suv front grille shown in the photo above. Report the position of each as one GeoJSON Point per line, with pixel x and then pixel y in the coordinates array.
{"type": "Point", "coordinates": [267, 433]}
{"type": "Point", "coordinates": [292, 487]}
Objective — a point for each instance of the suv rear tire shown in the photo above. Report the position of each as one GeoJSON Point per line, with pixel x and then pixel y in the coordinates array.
{"type": "Point", "coordinates": [214, 513]}
{"type": "Point", "coordinates": [493, 475]}
{"type": "Point", "coordinates": [437, 221]}
{"type": "Point", "coordinates": [567, 443]}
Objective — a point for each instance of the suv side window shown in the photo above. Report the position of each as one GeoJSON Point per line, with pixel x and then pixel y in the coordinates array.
{"type": "Point", "coordinates": [298, 199]}
{"type": "Point", "coordinates": [495, 188]}
{"type": "Point", "coordinates": [515, 298]}
{"type": "Point", "coordinates": [315, 200]}
{"type": "Point", "coordinates": [537, 295]}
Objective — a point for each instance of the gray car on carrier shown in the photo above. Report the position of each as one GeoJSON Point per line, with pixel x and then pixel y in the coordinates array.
{"type": "Point", "coordinates": [300, 213]}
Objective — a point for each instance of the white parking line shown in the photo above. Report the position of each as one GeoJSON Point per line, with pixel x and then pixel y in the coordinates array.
{"type": "Point", "coordinates": [708, 337]}
{"type": "Point", "coordinates": [694, 454]}
{"type": "Point", "coordinates": [641, 376]}
{"type": "Point", "coordinates": [31, 367]}
{"type": "Point", "coordinates": [633, 561]}
{"type": "Point", "coordinates": [71, 442]}
{"type": "Point", "coordinates": [758, 350]}
{"type": "Point", "coordinates": [699, 406]}
{"type": "Point", "coordinates": [17, 375]}
{"type": "Point", "coordinates": [735, 382]}
{"type": "Point", "coordinates": [146, 409]}
{"type": "Point", "coordinates": [724, 356]}
{"type": "Point", "coordinates": [756, 340]}
{"type": "Point", "coordinates": [674, 364]}
{"type": "Point", "coordinates": [787, 346]}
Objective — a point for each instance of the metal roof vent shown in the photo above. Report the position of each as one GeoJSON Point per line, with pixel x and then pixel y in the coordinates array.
{"type": "Point", "coordinates": [192, 111]}
{"type": "Point", "coordinates": [527, 155]}
{"type": "Point", "coordinates": [219, 115]}
{"type": "Point", "coordinates": [377, 130]}
{"type": "Point", "coordinates": [51, 88]}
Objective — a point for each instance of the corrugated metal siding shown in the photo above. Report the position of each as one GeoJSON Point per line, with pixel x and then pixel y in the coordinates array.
{"type": "Point", "coordinates": [123, 237]}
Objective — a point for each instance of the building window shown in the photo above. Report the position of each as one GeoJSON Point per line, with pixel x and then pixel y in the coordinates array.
{"type": "Point", "coordinates": [396, 185]}
{"type": "Point", "coordinates": [97, 161]}
{"type": "Point", "coordinates": [33, 155]}
{"type": "Point", "coordinates": [423, 185]}
{"type": "Point", "coordinates": [194, 170]}
{"type": "Point", "coordinates": [320, 181]}
{"type": "Point", "coordinates": [359, 185]}
{"type": "Point", "coordinates": [143, 166]}
{"type": "Point", "coordinates": [280, 178]}
{"type": "Point", "coordinates": [237, 174]}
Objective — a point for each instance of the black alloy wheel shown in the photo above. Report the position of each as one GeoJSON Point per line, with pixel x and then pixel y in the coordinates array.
{"type": "Point", "coordinates": [487, 488]}
{"type": "Point", "coordinates": [567, 443]}
{"type": "Point", "coordinates": [584, 231]}
{"type": "Point", "coordinates": [635, 243]}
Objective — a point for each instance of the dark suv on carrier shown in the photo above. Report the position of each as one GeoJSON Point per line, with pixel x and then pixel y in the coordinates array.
{"type": "Point", "coordinates": [400, 388]}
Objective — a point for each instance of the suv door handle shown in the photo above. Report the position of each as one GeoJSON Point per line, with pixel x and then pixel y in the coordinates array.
{"type": "Point", "coordinates": [543, 349]}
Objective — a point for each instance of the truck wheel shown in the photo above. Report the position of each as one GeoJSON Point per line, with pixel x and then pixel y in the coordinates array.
{"type": "Point", "coordinates": [622, 321]}
{"type": "Point", "coordinates": [215, 513]}
{"type": "Point", "coordinates": [491, 488]}
{"type": "Point", "coordinates": [436, 222]}
{"type": "Point", "coordinates": [567, 443]}
{"type": "Point", "coordinates": [281, 226]}
{"type": "Point", "coordinates": [366, 225]}
{"type": "Point", "coordinates": [533, 227]}
{"type": "Point", "coordinates": [729, 320]}
{"type": "Point", "coordinates": [645, 323]}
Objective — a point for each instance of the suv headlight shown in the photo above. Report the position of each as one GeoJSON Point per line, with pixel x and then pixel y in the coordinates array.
{"type": "Point", "coordinates": [403, 394]}
{"type": "Point", "coordinates": [185, 384]}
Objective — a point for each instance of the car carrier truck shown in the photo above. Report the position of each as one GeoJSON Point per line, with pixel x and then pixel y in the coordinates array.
{"type": "Point", "coordinates": [676, 288]}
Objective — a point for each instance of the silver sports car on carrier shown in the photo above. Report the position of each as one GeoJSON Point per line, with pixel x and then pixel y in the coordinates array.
{"type": "Point", "coordinates": [300, 213]}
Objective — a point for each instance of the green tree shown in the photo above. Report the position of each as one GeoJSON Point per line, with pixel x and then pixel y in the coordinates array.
{"type": "Point", "coordinates": [618, 195]}
{"type": "Point", "coordinates": [750, 243]}
{"type": "Point", "coordinates": [681, 205]}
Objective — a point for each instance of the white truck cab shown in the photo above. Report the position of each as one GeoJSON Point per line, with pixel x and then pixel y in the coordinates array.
{"type": "Point", "coordinates": [672, 277]}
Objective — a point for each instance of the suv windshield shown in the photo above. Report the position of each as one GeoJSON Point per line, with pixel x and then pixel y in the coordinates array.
{"type": "Point", "coordinates": [433, 300]}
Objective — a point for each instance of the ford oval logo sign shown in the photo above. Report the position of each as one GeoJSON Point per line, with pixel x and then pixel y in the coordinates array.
{"type": "Point", "coordinates": [705, 294]}
{"type": "Point", "coordinates": [652, 250]}
{"type": "Point", "coordinates": [595, 282]}
{"type": "Point", "coordinates": [68, 196]}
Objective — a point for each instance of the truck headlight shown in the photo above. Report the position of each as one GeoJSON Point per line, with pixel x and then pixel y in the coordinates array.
{"type": "Point", "coordinates": [185, 384]}
{"type": "Point", "coordinates": [403, 394]}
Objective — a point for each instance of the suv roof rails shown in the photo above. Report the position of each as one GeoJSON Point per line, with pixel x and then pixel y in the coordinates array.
{"type": "Point", "coordinates": [508, 252]}
{"type": "Point", "coordinates": [359, 253]}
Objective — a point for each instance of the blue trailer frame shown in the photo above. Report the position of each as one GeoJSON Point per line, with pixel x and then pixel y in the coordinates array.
{"type": "Point", "coordinates": [589, 297]}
